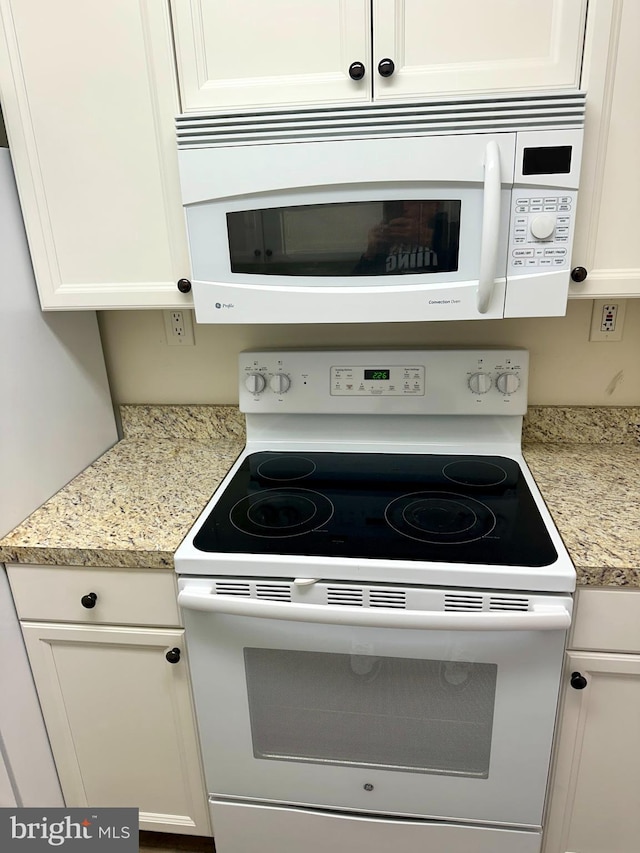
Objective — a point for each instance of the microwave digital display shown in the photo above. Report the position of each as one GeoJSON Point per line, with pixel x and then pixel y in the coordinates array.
{"type": "Point", "coordinates": [375, 238]}
{"type": "Point", "coordinates": [547, 160]}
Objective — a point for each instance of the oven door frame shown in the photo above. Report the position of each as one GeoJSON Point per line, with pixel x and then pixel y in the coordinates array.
{"type": "Point", "coordinates": [529, 665]}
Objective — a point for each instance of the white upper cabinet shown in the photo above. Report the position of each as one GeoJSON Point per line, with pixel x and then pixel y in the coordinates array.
{"type": "Point", "coordinates": [89, 95]}
{"type": "Point", "coordinates": [461, 47]}
{"type": "Point", "coordinates": [606, 238]}
{"type": "Point", "coordinates": [254, 53]}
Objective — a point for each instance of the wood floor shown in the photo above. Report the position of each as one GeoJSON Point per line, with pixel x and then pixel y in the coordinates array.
{"type": "Point", "coordinates": [160, 842]}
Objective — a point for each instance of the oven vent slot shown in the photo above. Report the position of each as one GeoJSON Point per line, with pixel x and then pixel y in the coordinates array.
{"type": "Point", "coordinates": [344, 595]}
{"type": "Point", "coordinates": [273, 592]}
{"type": "Point", "coordinates": [396, 598]}
{"type": "Point", "coordinates": [497, 602]}
{"type": "Point", "coordinates": [233, 588]}
{"type": "Point", "coordinates": [455, 602]}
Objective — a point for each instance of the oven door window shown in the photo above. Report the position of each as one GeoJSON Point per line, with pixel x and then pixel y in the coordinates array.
{"type": "Point", "coordinates": [423, 716]}
{"type": "Point", "coordinates": [373, 238]}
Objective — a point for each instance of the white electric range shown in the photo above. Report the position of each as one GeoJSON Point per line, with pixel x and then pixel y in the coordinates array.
{"type": "Point", "coordinates": [376, 603]}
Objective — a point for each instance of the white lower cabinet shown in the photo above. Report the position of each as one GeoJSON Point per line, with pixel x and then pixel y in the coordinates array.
{"type": "Point", "coordinates": [595, 793]}
{"type": "Point", "coordinates": [116, 699]}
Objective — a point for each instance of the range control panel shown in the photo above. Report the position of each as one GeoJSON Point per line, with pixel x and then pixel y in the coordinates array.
{"type": "Point", "coordinates": [541, 230]}
{"type": "Point", "coordinates": [384, 381]}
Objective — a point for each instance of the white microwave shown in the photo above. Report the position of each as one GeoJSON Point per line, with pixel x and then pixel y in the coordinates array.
{"type": "Point", "coordinates": [436, 211]}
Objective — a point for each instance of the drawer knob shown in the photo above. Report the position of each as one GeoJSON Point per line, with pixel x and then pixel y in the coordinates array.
{"type": "Point", "coordinates": [89, 600]}
{"type": "Point", "coordinates": [578, 681]}
{"type": "Point", "coordinates": [356, 71]}
{"type": "Point", "coordinates": [173, 656]}
{"type": "Point", "coordinates": [579, 274]}
{"type": "Point", "coordinates": [184, 285]}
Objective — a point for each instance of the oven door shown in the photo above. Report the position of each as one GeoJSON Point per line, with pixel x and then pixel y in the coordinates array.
{"type": "Point", "coordinates": [341, 707]}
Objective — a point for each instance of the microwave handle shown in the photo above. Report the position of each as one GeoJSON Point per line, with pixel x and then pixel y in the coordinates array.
{"type": "Point", "coordinates": [490, 225]}
{"type": "Point", "coordinates": [541, 618]}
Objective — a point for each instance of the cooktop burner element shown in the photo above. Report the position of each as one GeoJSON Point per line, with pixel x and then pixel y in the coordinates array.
{"type": "Point", "coordinates": [395, 506]}
{"type": "Point", "coordinates": [281, 512]}
{"type": "Point", "coordinates": [440, 518]}
{"type": "Point", "coordinates": [286, 467]}
{"type": "Point", "coordinates": [474, 472]}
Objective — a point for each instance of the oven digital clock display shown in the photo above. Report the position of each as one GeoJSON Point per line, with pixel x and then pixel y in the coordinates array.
{"type": "Point", "coordinates": [356, 380]}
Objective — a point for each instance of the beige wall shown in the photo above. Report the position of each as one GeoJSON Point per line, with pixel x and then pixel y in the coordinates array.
{"type": "Point", "coordinates": [565, 367]}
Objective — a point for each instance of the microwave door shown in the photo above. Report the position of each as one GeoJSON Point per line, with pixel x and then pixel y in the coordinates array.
{"type": "Point", "coordinates": [405, 229]}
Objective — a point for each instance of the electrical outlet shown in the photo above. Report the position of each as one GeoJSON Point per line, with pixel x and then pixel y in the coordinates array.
{"type": "Point", "coordinates": [607, 319]}
{"type": "Point", "coordinates": [178, 327]}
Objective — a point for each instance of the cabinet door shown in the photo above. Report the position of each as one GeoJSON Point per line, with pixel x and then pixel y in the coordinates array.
{"type": "Point", "coordinates": [89, 96]}
{"type": "Point", "coordinates": [594, 795]}
{"type": "Point", "coordinates": [606, 239]}
{"type": "Point", "coordinates": [253, 53]}
{"type": "Point", "coordinates": [461, 47]}
{"type": "Point", "coordinates": [120, 721]}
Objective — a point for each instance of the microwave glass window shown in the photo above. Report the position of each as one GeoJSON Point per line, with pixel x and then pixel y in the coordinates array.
{"type": "Point", "coordinates": [351, 239]}
{"type": "Point", "coordinates": [421, 716]}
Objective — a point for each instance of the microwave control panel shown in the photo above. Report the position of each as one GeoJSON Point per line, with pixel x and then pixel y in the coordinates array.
{"type": "Point", "coordinates": [541, 231]}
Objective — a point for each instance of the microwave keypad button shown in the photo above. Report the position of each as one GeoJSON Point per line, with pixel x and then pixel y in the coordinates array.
{"type": "Point", "coordinates": [520, 220]}
{"type": "Point", "coordinates": [523, 253]}
{"type": "Point", "coordinates": [520, 229]}
{"type": "Point", "coordinates": [564, 207]}
{"type": "Point", "coordinates": [565, 199]}
{"type": "Point", "coordinates": [532, 262]}
{"type": "Point", "coordinates": [558, 261]}
{"type": "Point", "coordinates": [522, 201]}
{"type": "Point", "coordinates": [562, 239]}
{"type": "Point", "coordinates": [539, 253]}
{"type": "Point", "coordinates": [520, 263]}
{"type": "Point", "coordinates": [550, 207]}
{"type": "Point", "coordinates": [563, 220]}
{"type": "Point", "coordinates": [519, 239]}
{"type": "Point", "coordinates": [522, 208]}
{"type": "Point", "coordinates": [545, 262]}
{"type": "Point", "coordinates": [551, 253]}
{"type": "Point", "coordinates": [536, 208]}
{"type": "Point", "coordinates": [536, 201]}
{"type": "Point", "coordinates": [551, 201]}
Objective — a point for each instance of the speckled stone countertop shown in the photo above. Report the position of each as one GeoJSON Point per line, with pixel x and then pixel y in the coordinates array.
{"type": "Point", "coordinates": [134, 505]}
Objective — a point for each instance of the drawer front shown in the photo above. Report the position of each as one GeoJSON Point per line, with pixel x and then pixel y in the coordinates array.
{"type": "Point", "coordinates": [122, 597]}
{"type": "Point", "coordinates": [607, 620]}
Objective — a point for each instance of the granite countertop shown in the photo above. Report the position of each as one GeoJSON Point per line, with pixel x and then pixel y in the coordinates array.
{"type": "Point", "coordinates": [134, 505]}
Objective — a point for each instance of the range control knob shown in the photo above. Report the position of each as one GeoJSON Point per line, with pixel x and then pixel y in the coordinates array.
{"type": "Point", "coordinates": [480, 383]}
{"type": "Point", "coordinates": [508, 383]}
{"type": "Point", "coordinates": [543, 226]}
{"type": "Point", "coordinates": [255, 383]}
{"type": "Point", "coordinates": [280, 383]}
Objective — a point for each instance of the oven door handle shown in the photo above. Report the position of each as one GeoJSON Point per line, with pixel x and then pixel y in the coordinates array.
{"type": "Point", "coordinates": [540, 618]}
{"type": "Point", "coordinates": [490, 225]}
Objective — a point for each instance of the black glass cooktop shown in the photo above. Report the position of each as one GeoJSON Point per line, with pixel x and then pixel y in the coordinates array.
{"type": "Point", "coordinates": [431, 507]}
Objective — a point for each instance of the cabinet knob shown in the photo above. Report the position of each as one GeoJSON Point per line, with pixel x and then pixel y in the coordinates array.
{"type": "Point", "coordinates": [578, 681]}
{"type": "Point", "coordinates": [89, 600]}
{"type": "Point", "coordinates": [356, 70]}
{"type": "Point", "coordinates": [579, 274]}
{"type": "Point", "coordinates": [173, 656]}
{"type": "Point", "coordinates": [386, 67]}
{"type": "Point", "coordinates": [184, 285]}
